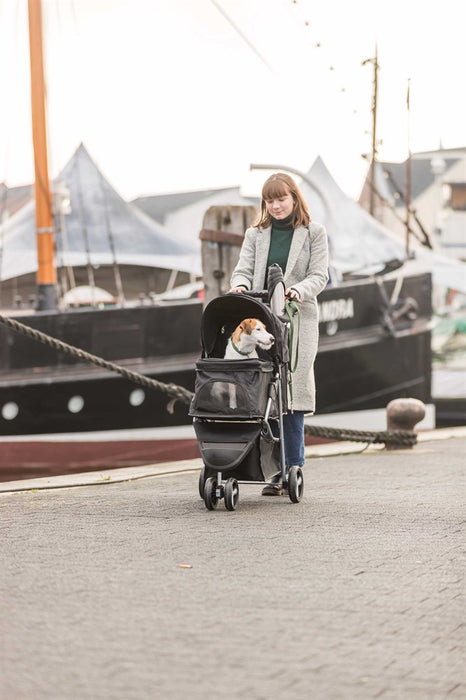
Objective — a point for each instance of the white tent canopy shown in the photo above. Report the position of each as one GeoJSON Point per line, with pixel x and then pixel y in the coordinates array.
{"type": "Point", "coordinates": [98, 221]}
{"type": "Point", "coordinates": [357, 240]}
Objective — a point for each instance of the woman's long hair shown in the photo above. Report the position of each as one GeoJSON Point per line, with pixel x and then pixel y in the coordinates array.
{"type": "Point", "coordinates": [279, 185]}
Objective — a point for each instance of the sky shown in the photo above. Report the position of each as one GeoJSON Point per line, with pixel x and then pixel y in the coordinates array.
{"type": "Point", "coordinates": [176, 95]}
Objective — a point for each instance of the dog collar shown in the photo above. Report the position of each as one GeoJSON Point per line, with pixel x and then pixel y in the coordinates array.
{"type": "Point", "coordinates": [238, 350]}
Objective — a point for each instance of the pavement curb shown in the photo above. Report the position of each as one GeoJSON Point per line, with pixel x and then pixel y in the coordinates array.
{"type": "Point", "coordinates": [113, 476]}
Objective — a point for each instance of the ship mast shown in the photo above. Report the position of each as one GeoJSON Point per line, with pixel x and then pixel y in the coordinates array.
{"type": "Point", "coordinates": [375, 65]}
{"type": "Point", "coordinates": [46, 273]}
{"type": "Point", "coordinates": [408, 176]}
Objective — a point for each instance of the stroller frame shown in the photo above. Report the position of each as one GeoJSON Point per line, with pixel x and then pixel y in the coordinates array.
{"type": "Point", "coordinates": [235, 400]}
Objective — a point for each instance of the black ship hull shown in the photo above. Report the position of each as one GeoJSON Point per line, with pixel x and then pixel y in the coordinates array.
{"type": "Point", "coordinates": [362, 363]}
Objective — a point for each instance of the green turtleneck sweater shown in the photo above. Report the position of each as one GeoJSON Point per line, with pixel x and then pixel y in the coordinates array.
{"type": "Point", "coordinates": [280, 242]}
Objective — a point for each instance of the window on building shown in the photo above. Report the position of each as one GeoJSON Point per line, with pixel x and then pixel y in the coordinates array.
{"type": "Point", "coordinates": [457, 198]}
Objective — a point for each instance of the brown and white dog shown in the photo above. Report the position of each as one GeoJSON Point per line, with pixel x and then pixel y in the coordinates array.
{"type": "Point", "coordinates": [250, 333]}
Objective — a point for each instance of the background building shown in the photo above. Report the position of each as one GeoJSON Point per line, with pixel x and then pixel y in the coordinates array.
{"type": "Point", "coordinates": [438, 198]}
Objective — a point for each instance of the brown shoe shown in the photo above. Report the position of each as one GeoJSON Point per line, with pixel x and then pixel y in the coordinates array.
{"type": "Point", "coordinates": [272, 490]}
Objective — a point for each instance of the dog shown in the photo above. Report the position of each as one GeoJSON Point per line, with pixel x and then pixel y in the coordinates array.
{"type": "Point", "coordinates": [250, 334]}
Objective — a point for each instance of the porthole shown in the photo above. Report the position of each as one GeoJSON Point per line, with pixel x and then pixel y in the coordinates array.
{"type": "Point", "coordinates": [10, 410]}
{"type": "Point", "coordinates": [75, 404]}
{"type": "Point", "coordinates": [137, 396]}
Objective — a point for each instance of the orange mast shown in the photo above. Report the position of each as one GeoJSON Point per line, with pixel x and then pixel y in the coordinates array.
{"type": "Point", "coordinates": [46, 273]}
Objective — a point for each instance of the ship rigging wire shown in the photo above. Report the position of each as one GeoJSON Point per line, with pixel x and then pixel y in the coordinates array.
{"type": "Point", "coordinates": [241, 34]}
{"type": "Point", "coordinates": [111, 240]}
{"type": "Point", "coordinates": [331, 67]}
{"type": "Point", "coordinates": [82, 216]}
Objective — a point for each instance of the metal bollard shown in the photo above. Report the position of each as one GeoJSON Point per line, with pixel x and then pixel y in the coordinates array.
{"type": "Point", "coordinates": [403, 414]}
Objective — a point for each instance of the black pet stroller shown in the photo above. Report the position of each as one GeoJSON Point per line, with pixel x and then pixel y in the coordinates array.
{"type": "Point", "coordinates": [235, 400]}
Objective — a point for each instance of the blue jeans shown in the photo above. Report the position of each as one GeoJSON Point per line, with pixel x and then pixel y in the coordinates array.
{"type": "Point", "coordinates": [293, 435]}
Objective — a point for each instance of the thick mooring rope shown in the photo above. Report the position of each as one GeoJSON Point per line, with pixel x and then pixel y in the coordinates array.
{"type": "Point", "coordinates": [393, 437]}
{"type": "Point", "coordinates": [178, 393]}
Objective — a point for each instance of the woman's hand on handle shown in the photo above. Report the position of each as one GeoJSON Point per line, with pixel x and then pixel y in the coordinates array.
{"type": "Point", "coordinates": [293, 295]}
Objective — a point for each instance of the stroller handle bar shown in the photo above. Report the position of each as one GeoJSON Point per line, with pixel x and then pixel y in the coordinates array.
{"type": "Point", "coordinates": [256, 293]}
{"type": "Point", "coordinates": [275, 292]}
{"type": "Point", "coordinates": [283, 303]}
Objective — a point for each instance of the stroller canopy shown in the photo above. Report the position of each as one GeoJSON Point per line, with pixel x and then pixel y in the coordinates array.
{"type": "Point", "coordinates": [223, 314]}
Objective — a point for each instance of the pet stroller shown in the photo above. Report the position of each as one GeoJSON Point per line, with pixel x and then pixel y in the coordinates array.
{"type": "Point", "coordinates": [235, 400]}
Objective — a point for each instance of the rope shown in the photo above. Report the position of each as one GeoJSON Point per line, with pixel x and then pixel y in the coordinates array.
{"type": "Point", "coordinates": [83, 220]}
{"type": "Point", "coordinates": [392, 437]}
{"type": "Point", "coordinates": [111, 240]}
{"type": "Point", "coordinates": [177, 393]}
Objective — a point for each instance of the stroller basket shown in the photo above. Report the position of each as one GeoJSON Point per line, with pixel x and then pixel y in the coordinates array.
{"type": "Point", "coordinates": [233, 389]}
{"type": "Point", "coordinates": [240, 449]}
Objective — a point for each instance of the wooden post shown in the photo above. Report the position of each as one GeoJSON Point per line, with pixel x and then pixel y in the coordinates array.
{"type": "Point", "coordinates": [221, 237]}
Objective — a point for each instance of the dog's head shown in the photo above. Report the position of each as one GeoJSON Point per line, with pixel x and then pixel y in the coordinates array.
{"type": "Point", "coordinates": [256, 332]}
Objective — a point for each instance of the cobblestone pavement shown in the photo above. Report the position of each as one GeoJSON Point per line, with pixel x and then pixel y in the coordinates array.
{"type": "Point", "coordinates": [357, 592]}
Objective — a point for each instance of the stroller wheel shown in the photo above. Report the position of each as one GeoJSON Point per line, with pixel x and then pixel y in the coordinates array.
{"type": "Point", "coordinates": [231, 493]}
{"type": "Point", "coordinates": [295, 484]}
{"type": "Point", "coordinates": [210, 498]}
{"type": "Point", "coordinates": [201, 482]}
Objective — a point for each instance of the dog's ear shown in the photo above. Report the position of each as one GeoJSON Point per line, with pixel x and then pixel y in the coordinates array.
{"type": "Point", "coordinates": [247, 325]}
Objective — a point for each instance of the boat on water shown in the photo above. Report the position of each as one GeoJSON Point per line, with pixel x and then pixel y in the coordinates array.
{"type": "Point", "coordinates": [375, 335]}
{"type": "Point", "coordinates": [375, 320]}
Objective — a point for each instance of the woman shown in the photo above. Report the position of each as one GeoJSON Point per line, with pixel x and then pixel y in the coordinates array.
{"type": "Point", "coordinates": [284, 234]}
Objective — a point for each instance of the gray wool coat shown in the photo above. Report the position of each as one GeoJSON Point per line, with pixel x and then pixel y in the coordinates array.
{"type": "Point", "coordinates": [307, 272]}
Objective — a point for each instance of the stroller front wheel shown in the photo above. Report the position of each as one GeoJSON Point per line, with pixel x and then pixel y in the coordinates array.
{"type": "Point", "coordinates": [202, 482]}
{"type": "Point", "coordinates": [210, 497]}
{"type": "Point", "coordinates": [295, 484]}
{"type": "Point", "coordinates": [231, 493]}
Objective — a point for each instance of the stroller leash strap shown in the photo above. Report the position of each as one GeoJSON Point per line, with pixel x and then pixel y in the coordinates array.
{"type": "Point", "coordinates": [292, 310]}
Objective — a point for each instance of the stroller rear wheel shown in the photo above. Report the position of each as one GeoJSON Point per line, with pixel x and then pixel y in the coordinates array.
{"type": "Point", "coordinates": [210, 497]}
{"type": "Point", "coordinates": [231, 493]}
{"type": "Point", "coordinates": [295, 484]}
